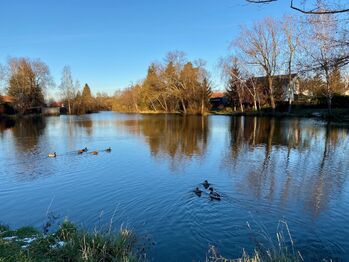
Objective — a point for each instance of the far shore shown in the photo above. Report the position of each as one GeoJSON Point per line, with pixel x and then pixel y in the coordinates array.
{"type": "Point", "coordinates": [339, 115]}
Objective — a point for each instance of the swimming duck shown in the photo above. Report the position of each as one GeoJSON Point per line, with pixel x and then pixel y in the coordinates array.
{"type": "Point", "coordinates": [52, 155]}
{"type": "Point", "coordinates": [94, 152]}
{"type": "Point", "coordinates": [214, 195]}
{"type": "Point", "coordinates": [108, 150]}
{"type": "Point", "coordinates": [82, 150]}
{"type": "Point", "coordinates": [206, 184]}
{"type": "Point", "coordinates": [197, 191]}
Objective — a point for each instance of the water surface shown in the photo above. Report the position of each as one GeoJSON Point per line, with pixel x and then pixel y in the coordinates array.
{"type": "Point", "coordinates": [266, 169]}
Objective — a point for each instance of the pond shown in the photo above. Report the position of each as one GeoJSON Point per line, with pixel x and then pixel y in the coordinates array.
{"type": "Point", "coordinates": [267, 170]}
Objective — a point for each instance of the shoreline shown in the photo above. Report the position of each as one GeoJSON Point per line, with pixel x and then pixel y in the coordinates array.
{"type": "Point", "coordinates": [339, 115]}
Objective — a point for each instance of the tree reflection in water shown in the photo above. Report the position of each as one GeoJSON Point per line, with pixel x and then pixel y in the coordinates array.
{"type": "Point", "coordinates": [5, 124]}
{"type": "Point", "coordinates": [27, 133]}
{"type": "Point", "coordinates": [180, 138]}
{"type": "Point", "coordinates": [84, 122]}
{"type": "Point", "coordinates": [290, 160]}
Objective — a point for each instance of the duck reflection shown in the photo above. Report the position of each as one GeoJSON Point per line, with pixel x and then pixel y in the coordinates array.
{"type": "Point", "coordinates": [292, 160]}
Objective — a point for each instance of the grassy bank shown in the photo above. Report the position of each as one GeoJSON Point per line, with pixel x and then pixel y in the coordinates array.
{"type": "Point", "coordinates": [68, 243]}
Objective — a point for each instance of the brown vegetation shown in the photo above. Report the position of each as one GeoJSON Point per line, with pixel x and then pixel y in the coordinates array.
{"type": "Point", "coordinates": [176, 86]}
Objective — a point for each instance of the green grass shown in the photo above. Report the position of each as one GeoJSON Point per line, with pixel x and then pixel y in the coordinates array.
{"type": "Point", "coordinates": [68, 243]}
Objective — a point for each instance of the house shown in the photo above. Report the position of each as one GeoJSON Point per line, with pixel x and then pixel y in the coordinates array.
{"type": "Point", "coordinates": [218, 101]}
{"type": "Point", "coordinates": [6, 103]}
{"type": "Point", "coordinates": [51, 111]}
{"type": "Point", "coordinates": [284, 89]}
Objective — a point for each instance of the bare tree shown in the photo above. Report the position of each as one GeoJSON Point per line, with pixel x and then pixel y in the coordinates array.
{"type": "Point", "coordinates": [291, 35]}
{"type": "Point", "coordinates": [67, 87]}
{"type": "Point", "coordinates": [311, 6]}
{"type": "Point", "coordinates": [324, 50]}
{"type": "Point", "coordinates": [260, 46]}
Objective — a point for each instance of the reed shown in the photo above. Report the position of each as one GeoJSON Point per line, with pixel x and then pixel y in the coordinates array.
{"type": "Point", "coordinates": [280, 249]}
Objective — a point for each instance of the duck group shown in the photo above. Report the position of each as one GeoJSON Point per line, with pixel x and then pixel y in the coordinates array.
{"type": "Point", "coordinates": [81, 151]}
{"type": "Point", "coordinates": [212, 193]}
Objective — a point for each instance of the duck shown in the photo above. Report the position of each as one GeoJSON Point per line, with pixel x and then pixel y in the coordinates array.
{"type": "Point", "coordinates": [214, 195]}
{"type": "Point", "coordinates": [52, 155]}
{"type": "Point", "coordinates": [81, 151]}
{"type": "Point", "coordinates": [206, 184]}
{"type": "Point", "coordinates": [197, 191]}
{"type": "Point", "coordinates": [94, 152]}
{"type": "Point", "coordinates": [108, 150]}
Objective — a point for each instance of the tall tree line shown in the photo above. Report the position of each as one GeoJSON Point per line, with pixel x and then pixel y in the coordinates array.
{"type": "Point", "coordinates": [177, 85]}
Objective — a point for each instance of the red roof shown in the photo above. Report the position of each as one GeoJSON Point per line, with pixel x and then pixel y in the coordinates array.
{"type": "Point", "coordinates": [55, 104]}
{"type": "Point", "coordinates": [7, 99]}
{"type": "Point", "coordinates": [217, 95]}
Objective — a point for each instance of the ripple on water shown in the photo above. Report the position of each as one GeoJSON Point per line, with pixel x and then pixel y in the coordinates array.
{"type": "Point", "coordinates": [146, 182]}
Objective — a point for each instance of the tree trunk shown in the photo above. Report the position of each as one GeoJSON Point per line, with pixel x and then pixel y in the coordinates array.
{"type": "Point", "coordinates": [271, 92]}
{"type": "Point", "coordinates": [152, 104]}
{"type": "Point", "coordinates": [328, 92]}
{"type": "Point", "coordinates": [255, 103]}
{"type": "Point", "coordinates": [241, 107]}
{"type": "Point", "coordinates": [183, 106]}
{"type": "Point", "coordinates": [289, 105]}
{"type": "Point", "coordinates": [166, 108]}
{"type": "Point", "coordinates": [202, 106]}
{"type": "Point", "coordinates": [69, 107]}
{"type": "Point", "coordinates": [329, 104]}
{"type": "Point", "coordinates": [289, 83]}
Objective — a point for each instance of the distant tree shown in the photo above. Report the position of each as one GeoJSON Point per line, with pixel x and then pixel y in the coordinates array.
{"type": "Point", "coordinates": [103, 101]}
{"type": "Point", "coordinates": [176, 86]}
{"type": "Point", "coordinates": [205, 93]}
{"type": "Point", "coordinates": [152, 89]}
{"type": "Point", "coordinates": [291, 35]}
{"type": "Point", "coordinates": [27, 82]}
{"type": "Point", "coordinates": [67, 87]}
{"type": "Point", "coordinates": [337, 81]}
{"type": "Point", "coordinates": [2, 78]}
{"type": "Point", "coordinates": [260, 46]}
{"type": "Point", "coordinates": [78, 103]}
{"type": "Point", "coordinates": [87, 100]}
{"type": "Point", "coordinates": [324, 51]}
{"type": "Point", "coordinates": [235, 87]}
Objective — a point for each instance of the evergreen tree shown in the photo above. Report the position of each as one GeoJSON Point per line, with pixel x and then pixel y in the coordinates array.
{"type": "Point", "coordinates": [87, 101]}
{"type": "Point", "coordinates": [234, 89]}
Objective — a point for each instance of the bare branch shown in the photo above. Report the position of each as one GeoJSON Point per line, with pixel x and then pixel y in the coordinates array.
{"type": "Point", "coordinates": [315, 11]}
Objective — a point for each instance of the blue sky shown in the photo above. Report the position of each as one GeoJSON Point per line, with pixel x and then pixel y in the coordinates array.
{"type": "Point", "coordinates": [110, 43]}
